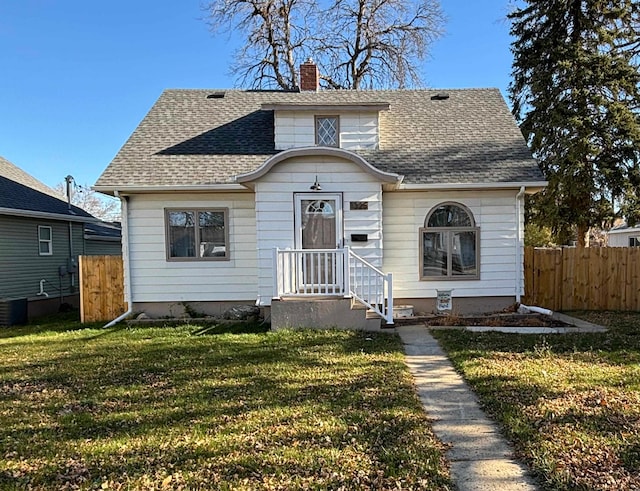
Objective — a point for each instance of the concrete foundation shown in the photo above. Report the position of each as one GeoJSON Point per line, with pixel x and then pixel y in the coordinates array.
{"type": "Point", "coordinates": [40, 306]}
{"type": "Point", "coordinates": [460, 305]}
{"type": "Point", "coordinates": [320, 313]}
{"type": "Point", "coordinates": [157, 310]}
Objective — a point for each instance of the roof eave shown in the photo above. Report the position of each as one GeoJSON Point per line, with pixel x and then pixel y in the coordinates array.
{"type": "Point", "coordinates": [531, 187]}
{"type": "Point", "coordinates": [341, 107]}
{"type": "Point", "coordinates": [46, 215]}
{"type": "Point", "coordinates": [387, 178]}
{"type": "Point", "coordinates": [102, 238]}
{"type": "Point", "coordinates": [193, 188]}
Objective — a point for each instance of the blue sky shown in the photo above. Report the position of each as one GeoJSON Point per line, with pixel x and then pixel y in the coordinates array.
{"type": "Point", "coordinates": [77, 76]}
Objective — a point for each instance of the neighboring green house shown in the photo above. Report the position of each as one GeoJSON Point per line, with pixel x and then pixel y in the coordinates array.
{"type": "Point", "coordinates": [41, 237]}
{"type": "Point", "coordinates": [102, 239]}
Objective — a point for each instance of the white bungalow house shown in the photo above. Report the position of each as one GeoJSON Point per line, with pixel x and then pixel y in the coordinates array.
{"type": "Point", "coordinates": [624, 235]}
{"type": "Point", "coordinates": [373, 197]}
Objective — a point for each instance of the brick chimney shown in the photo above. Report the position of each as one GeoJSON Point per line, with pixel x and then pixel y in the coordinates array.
{"type": "Point", "coordinates": [309, 76]}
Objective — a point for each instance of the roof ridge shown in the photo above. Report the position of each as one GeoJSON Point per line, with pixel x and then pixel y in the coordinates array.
{"type": "Point", "coordinates": [11, 171]}
{"type": "Point", "coordinates": [328, 91]}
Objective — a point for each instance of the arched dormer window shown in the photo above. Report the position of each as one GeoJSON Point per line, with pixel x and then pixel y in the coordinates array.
{"type": "Point", "coordinates": [449, 244]}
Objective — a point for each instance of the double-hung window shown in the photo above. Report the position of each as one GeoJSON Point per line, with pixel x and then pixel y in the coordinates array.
{"type": "Point", "coordinates": [197, 234]}
{"type": "Point", "coordinates": [45, 241]}
{"type": "Point", "coordinates": [328, 131]}
{"type": "Point", "coordinates": [449, 244]}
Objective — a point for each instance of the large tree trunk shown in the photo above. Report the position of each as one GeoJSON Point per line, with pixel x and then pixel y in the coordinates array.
{"type": "Point", "coordinates": [583, 236]}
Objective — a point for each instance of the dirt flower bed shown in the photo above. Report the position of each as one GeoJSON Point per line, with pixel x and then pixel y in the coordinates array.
{"type": "Point", "coordinates": [492, 320]}
{"type": "Point", "coordinates": [497, 320]}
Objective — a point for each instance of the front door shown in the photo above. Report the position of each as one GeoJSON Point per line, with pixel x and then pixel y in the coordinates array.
{"type": "Point", "coordinates": [318, 223]}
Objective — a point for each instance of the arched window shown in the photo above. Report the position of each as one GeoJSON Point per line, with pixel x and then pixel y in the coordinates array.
{"type": "Point", "coordinates": [449, 244]}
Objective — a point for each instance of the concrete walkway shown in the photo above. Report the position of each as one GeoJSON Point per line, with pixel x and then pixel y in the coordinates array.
{"type": "Point", "coordinates": [480, 457]}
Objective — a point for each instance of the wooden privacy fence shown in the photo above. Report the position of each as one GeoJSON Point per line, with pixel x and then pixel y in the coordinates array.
{"type": "Point", "coordinates": [101, 288]}
{"type": "Point", "coordinates": [592, 278]}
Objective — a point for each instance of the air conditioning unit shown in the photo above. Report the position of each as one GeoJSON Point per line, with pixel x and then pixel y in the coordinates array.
{"type": "Point", "coordinates": [13, 311]}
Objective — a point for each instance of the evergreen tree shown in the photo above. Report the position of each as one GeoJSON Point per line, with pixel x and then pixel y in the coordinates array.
{"type": "Point", "coordinates": [575, 92]}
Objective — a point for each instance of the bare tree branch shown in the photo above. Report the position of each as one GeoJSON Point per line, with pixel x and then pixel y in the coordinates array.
{"type": "Point", "coordinates": [356, 43]}
{"type": "Point", "coordinates": [99, 205]}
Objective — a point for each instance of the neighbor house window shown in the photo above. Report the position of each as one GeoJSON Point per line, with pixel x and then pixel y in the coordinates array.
{"type": "Point", "coordinates": [45, 241]}
{"type": "Point", "coordinates": [449, 244]}
{"type": "Point", "coordinates": [327, 131]}
{"type": "Point", "coordinates": [197, 235]}
{"type": "Point", "coordinates": [634, 241]}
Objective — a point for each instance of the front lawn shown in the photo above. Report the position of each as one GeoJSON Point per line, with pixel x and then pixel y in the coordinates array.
{"type": "Point", "coordinates": [570, 403]}
{"type": "Point", "coordinates": [182, 408]}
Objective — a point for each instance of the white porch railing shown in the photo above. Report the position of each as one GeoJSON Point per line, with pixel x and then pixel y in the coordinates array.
{"type": "Point", "coordinates": [336, 272]}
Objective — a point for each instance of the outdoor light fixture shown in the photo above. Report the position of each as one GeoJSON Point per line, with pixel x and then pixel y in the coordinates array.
{"type": "Point", "coordinates": [316, 186]}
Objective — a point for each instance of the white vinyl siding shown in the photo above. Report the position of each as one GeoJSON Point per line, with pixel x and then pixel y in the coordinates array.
{"type": "Point", "coordinates": [623, 237]}
{"type": "Point", "coordinates": [154, 279]}
{"type": "Point", "coordinates": [358, 130]}
{"type": "Point", "coordinates": [495, 216]}
{"type": "Point", "coordinates": [275, 209]}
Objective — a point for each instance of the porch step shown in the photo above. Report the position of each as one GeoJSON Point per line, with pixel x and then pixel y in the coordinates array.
{"type": "Point", "coordinates": [321, 313]}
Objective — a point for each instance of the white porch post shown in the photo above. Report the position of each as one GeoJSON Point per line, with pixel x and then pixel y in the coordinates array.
{"type": "Point", "coordinates": [389, 318]}
{"type": "Point", "coordinates": [276, 273]}
{"type": "Point", "coordinates": [346, 251]}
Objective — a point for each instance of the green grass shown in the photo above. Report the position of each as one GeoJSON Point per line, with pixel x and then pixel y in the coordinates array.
{"type": "Point", "coordinates": [570, 403]}
{"type": "Point", "coordinates": [191, 408]}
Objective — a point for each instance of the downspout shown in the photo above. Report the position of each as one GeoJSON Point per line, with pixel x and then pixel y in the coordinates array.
{"type": "Point", "coordinates": [518, 245]}
{"type": "Point", "coordinates": [69, 269]}
{"type": "Point", "coordinates": [68, 180]}
{"type": "Point", "coordinates": [125, 259]}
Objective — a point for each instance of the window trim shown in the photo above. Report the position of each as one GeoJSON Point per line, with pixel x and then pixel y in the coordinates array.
{"type": "Point", "coordinates": [449, 233]}
{"type": "Point", "coordinates": [196, 210]}
{"type": "Point", "coordinates": [634, 241]}
{"type": "Point", "coordinates": [48, 241]}
{"type": "Point", "coordinates": [315, 128]}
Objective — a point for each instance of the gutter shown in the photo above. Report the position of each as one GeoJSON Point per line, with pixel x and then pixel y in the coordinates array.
{"type": "Point", "coordinates": [531, 187]}
{"type": "Point", "coordinates": [47, 215]}
{"type": "Point", "coordinates": [518, 245]}
{"type": "Point", "coordinates": [125, 260]}
{"type": "Point", "coordinates": [194, 188]}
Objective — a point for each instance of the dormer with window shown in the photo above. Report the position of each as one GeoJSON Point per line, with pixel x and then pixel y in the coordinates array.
{"type": "Point", "coordinates": [346, 126]}
{"type": "Point", "coordinates": [324, 121]}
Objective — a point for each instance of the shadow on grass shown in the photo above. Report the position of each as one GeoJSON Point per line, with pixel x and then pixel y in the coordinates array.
{"type": "Point", "coordinates": [236, 407]}
{"type": "Point", "coordinates": [570, 403]}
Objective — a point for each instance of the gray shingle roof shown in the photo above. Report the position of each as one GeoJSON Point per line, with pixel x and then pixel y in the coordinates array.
{"type": "Point", "coordinates": [16, 174]}
{"type": "Point", "coordinates": [106, 230]}
{"type": "Point", "coordinates": [187, 138]}
{"type": "Point", "coordinates": [21, 192]}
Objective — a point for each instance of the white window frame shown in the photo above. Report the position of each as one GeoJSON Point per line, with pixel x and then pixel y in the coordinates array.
{"type": "Point", "coordinates": [634, 241]}
{"type": "Point", "coordinates": [197, 242]}
{"type": "Point", "coordinates": [317, 119]}
{"type": "Point", "coordinates": [448, 234]}
{"type": "Point", "coordinates": [42, 240]}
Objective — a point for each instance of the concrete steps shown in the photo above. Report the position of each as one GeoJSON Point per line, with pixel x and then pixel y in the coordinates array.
{"type": "Point", "coordinates": [322, 313]}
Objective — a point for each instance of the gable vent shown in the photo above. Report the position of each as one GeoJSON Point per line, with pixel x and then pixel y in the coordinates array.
{"type": "Point", "coordinates": [216, 95]}
{"type": "Point", "coordinates": [440, 96]}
